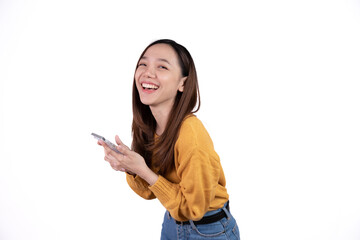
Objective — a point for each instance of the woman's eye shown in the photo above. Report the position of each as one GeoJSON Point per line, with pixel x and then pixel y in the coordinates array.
{"type": "Point", "coordinates": [163, 67]}
{"type": "Point", "coordinates": [142, 64]}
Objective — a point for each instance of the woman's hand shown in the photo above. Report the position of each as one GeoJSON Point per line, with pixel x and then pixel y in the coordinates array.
{"type": "Point", "coordinates": [128, 161]}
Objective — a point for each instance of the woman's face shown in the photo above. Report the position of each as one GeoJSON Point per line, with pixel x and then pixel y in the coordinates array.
{"type": "Point", "coordinates": [158, 77]}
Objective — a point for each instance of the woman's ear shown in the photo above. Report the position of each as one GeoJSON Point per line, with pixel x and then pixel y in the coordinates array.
{"type": "Point", "coordinates": [181, 84]}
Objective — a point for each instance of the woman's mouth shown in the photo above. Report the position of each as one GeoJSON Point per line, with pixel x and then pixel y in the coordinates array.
{"type": "Point", "coordinates": [149, 86]}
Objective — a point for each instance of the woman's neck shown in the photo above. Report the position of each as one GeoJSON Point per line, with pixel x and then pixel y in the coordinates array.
{"type": "Point", "coordinates": [161, 116]}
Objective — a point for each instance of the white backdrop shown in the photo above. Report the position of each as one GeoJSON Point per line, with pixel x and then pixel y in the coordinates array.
{"type": "Point", "coordinates": [279, 82]}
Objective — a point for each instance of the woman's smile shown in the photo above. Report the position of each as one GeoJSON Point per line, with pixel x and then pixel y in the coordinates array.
{"type": "Point", "coordinates": [148, 87]}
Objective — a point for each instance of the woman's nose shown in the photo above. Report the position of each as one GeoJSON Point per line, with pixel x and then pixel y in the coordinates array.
{"type": "Point", "coordinates": [150, 72]}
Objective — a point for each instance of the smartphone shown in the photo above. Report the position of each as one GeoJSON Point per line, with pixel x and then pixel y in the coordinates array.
{"type": "Point", "coordinates": [110, 144]}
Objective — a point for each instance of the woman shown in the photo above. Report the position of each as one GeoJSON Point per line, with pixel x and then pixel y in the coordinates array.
{"type": "Point", "coordinates": [172, 156]}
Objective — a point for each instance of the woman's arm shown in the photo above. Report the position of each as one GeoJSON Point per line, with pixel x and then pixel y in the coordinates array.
{"type": "Point", "coordinates": [191, 197]}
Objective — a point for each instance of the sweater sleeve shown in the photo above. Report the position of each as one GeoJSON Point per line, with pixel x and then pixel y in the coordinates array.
{"type": "Point", "coordinates": [139, 186]}
{"type": "Point", "coordinates": [190, 198]}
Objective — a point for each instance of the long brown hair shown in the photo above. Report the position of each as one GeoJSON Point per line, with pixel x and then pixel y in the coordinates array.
{"type": "Point", "coordinates": [159, 153]}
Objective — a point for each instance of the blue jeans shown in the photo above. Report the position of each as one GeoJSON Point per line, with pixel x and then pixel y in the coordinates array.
{"type": "Point", "coordinates": [225, 228]}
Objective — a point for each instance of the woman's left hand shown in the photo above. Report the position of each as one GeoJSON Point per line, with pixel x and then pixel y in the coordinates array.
{"type": "Point", "coordinates": [128, 161]}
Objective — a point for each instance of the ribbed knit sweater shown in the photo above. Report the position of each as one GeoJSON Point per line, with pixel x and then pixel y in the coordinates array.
{"type": "Point", "coordinates": [197, 184]}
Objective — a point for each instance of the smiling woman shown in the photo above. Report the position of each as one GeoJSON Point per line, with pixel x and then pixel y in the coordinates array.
{"type": "Point", "coordinates": [172, 156]}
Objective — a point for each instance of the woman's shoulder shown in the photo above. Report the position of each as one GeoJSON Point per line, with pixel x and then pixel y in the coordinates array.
{"type": "Point", "coordinates": [193, 133]}
{"type": "Point", "coordinates": [193, 125]}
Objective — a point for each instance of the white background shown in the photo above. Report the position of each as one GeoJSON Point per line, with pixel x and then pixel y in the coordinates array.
{"type": "Point", "coordinates": [279, 82]}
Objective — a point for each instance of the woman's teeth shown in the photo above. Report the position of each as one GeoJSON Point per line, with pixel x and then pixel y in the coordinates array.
{"type": "Point", "coordinates": [149, 86]}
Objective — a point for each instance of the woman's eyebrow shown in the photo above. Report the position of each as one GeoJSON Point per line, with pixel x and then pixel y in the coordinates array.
{"type": "Point", "coordinates": [158, 59]}
{"type": "Point", "coordinates": [163, 60]}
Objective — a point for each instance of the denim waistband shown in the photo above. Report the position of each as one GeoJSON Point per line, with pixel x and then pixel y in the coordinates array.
{"type": "Point", "coordinates": [215, 211]}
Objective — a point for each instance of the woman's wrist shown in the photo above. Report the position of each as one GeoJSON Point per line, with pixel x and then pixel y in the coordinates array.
{"type": "Point", "coordinates": [149, 176]}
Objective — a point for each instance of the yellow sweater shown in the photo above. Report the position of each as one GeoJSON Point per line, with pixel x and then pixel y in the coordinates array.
{"type": "Point", "coordinates": [197, 184]}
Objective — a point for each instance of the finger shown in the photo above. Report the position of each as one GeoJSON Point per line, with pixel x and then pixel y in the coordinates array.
{"type": "Point", "coordinates": [110, 158]}
{"type": "Point", "coordinates": [107, 149]}
{"type": "Point", "coordinates": [121, 146]}
{"type": "Point", "coordinates": [113, 166]}
{"type": "Point", "coordinates": [106, 158]}
{"type": "Point", "coordinates": [117, 140]}
{"type": "Point", "coordinates": [124, 150]}
{"type": "Point", "coordinates": [116, 166]}
{"type": "Point", "coordinates": [120, 143]}
{"type": "Point", "coordinates": [102, 143]}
